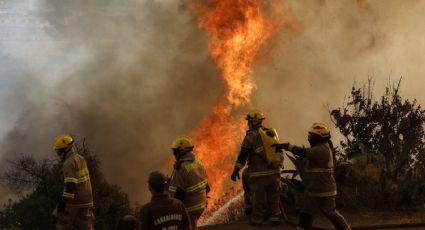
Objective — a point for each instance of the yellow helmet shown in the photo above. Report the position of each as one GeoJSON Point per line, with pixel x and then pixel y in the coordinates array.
{"type": "Point", "coordinates": [319, 129]}
{"type": "Point", "coordinates": [63, 141]}
{"type": "Point", "coordinates": [255, 114]}
{"type": "Point", "coordinates": [182, 142]}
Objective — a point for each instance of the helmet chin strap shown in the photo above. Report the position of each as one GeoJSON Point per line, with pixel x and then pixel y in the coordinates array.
{"type": "Point", "coordinates": [315, 140]}
{"type": "Point", "coordinates": [254, 124]}
{"type": "Point", "coordinates": [65, 153]}
{"type": "Point", "coordinates": [178, 153]}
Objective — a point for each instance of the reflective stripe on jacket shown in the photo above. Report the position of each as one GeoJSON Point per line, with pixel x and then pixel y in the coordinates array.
{"type": "Point", "coordinates": [75, 171]}
{"type": "Point", "coordinates": [319, 178]}
{"type": "Point", "coordinates": [191, 178]}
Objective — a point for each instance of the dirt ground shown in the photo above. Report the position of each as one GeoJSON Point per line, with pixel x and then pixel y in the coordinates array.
{"type": "Point", "coordinates": [362, 219]}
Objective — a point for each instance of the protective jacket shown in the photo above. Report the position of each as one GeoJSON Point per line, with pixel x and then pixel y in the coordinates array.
{"type": "Point", "coordinates": [263, 160]}
{"type": "Point", "coordinates": [318, 178]}
{"type": "Point", "coordinates": [78, 190]}
{"type": "Point", "coordinates": [164, 212]}
{"type": "Point", "coordinates": [189, 183]}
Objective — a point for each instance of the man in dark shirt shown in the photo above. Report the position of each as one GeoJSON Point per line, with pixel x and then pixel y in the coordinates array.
{"type": "Point", "coordinates": [163, 212]}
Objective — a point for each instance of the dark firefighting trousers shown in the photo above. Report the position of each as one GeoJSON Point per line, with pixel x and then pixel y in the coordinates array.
{"type": "Point", "coordinates": [194, 219]}
{"type": "Point", "coordinates": [82, 216]}
{"type": "Point", "coordinates": [247, 204]}
{"type": "Point", "coordinates": [327, 206]}
{"type": "Point", "coordinates": [265, 195]}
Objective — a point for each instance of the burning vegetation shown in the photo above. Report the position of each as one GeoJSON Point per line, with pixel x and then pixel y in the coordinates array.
{"type": "Point", "coordinates": [236, 31]}
{"type": "Point", "coordinates": [385, 137]}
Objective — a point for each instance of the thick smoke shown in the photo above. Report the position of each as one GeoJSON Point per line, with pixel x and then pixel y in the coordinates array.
{"type": "Point", "coordinates": [128, 76]}
{"type": "Point", "coordinates": [340, 43]}
{"type": "Point", "coordinates": [133, 75]}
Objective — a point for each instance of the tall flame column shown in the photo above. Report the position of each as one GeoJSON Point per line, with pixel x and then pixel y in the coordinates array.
{"type": "Point", "coordinates": [236, 31]}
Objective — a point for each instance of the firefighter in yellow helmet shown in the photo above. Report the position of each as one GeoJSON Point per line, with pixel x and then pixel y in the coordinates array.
{"type": "Point", "coordinates": [264, 164]}
{"type": "Point", "coordinates": [318, 178]}
{"type": "Point", "coordinates": [188, 182]}
{"type": "Point", "coordinates": [77, 200]}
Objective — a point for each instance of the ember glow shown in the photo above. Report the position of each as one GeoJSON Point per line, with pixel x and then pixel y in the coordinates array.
{"type": "Point", "coordinates": [236, 30]}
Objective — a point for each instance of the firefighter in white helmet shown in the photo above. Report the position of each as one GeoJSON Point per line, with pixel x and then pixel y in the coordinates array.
{"type": "Point", "coordinates": [188, 182]}
{"type": "Point", "coordinates": [264, 164]}
{"type": "Point", "coordinates": [76, 204]}
{"type": "Point", "coordinates": [319, 180]}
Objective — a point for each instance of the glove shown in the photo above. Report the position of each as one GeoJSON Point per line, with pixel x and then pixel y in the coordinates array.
{"type": "Point", "coordinates": [207, 189]}
{"type": "Point", "coordinates": [61, 207]}
{"type": "Point", "coordinates": [281, 146]}
{"type": "Point", "coordinates": [235, 175]}
{"type": "Point", "coordinates": [180, 194]}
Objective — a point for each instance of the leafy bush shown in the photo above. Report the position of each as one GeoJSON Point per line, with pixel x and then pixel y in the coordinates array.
{"type": "Point", "coordinates": [385, 139]}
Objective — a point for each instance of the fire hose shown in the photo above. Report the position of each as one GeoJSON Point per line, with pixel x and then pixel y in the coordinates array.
{"type": "Point", "coordinates": [374, 226]}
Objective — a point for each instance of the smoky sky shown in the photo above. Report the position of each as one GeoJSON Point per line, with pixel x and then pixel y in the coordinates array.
{"type": "Point", "coordinates": [341, 43]}
{"type": "Point", "coordinates": [144, 79]}
{"type": "Point", "coordinates": [129, 76]}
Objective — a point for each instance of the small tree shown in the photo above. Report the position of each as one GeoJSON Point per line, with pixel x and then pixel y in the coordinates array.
{"type": "Point", "coordinates": [40, 183]}
{"type": "Point", "coordinates": [390, 128]}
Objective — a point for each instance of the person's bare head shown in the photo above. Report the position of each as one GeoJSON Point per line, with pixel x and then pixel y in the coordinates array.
{"type": "Point", "coordinates": [157, 182]}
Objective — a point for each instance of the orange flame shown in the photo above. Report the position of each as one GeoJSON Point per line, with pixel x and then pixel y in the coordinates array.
{"type": "Point", "coordinates": [237, 29]}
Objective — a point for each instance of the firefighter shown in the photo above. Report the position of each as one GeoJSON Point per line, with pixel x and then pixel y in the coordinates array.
{"type": "Point", "coordinates": [77, 199]}
{"type": "Point", "coordinates": [318, 178]}
{"type": "Point", "coordinates": [264, 164]}
{"type": "Point", "coordinates": [188, 182]}
{"type": "Point", "coordinates": [163, 212]}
